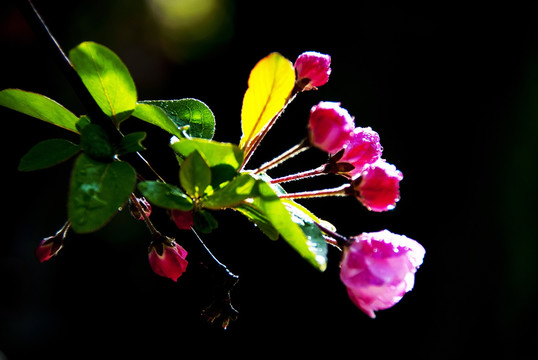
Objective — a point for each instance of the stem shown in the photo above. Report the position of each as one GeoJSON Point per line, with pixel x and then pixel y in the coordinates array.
{"type": "Point", "coordinates": [212, 257]}
{"type": "Point", "coordinates": [335, 239]}
{"type": "Point", "coordinates": [339, 191]}
{"type": "Point", "coordinates": [288, 154]}
{"type": "Point", "coordinates": [221, 308]}
{"type": "Point", "coordinates": [302, 175]}
{"type": "Point", "coordinates": [63, 230]}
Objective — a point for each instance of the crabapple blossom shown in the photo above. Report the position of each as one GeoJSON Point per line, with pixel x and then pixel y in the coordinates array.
{"type": "Point", "coordinates": [378, 268]}
{"type": "Point", "coordinates": [330, 126]}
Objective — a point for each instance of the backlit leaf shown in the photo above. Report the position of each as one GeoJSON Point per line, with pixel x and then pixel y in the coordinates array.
{"type": "Point", "coordinates": [269, 87]}
{"type": "Point", "coordinates": [107, 79]}
{"type": "Point", "coordinates": [40, 107]}
{"type": "Point", "coordinates": [195, 175]}
{"type": "Point", "coordinates": [215, 153]}
{"type": "Point", "coordinates": [232, 193]}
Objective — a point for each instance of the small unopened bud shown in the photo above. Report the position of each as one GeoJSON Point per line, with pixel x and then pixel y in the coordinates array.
{"type": "Point", "coordinates": [313, 70]}
{"type": "Point", "coordinates": [167, 258]}
{"type": "Point", "coordinates": [330, 126]}
{"type": "Point", "coordinates": [378, 187]}
{"type": "Point", "coordinates": [363, 148]}
{"type": "Point", "coordinates": [143, 205]}
{"type": "Point", "coordinates": [50, 246]}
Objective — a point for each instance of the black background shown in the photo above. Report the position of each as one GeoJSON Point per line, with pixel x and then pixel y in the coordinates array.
{"type": "Point", "coordinates": [451, 88]}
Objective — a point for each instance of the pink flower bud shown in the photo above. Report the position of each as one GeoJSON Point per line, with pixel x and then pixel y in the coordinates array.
{"type": "Point", "coordinates": [379, 268]}
{"type": "Point", "coordinates": [313, 70]}
{"type": "Point", "coordinates": [183, 219]}
{"type": "Point", "coordinates": [167, 258]}
{"type": "Point", "coordinates": [363, 148]}
{"type": "Point", "coordinates": [49, 247]}
{"type": "Point", "coordinates": [330, 126]}
{"type": "Point", "coordinates": [378, 187]}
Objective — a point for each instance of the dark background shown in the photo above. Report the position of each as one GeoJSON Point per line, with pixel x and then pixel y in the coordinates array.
{"type": "Point", "coordinates": [451, 88]}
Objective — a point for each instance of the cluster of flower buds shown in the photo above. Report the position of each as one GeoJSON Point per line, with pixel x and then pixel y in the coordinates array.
{"type": "Point", "coordinates": [377, 268]}
{"type": "Point", "coordinates": [354, 152]}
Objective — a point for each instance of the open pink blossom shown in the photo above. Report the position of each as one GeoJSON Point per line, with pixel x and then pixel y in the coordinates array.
{"type": "Point", "coordinates": [378, 187]}
{"type": "Point", "coordinates": [379, 268]}
{"type": "Point", "coordinates": [313, 70]}
{"type": "Point", "coordinates": [167, 258]}
{"type": "Point", "coordinates": [363, 148]}
{"type": "Point", "coordinates": [330, 126]}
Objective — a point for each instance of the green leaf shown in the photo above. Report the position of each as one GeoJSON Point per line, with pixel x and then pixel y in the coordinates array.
{"type": "Point", "coordinates": [40, 107]}
{"type": "Point", "coordinates": [156, 116]}
{"type": "Point", "coordinates": [315, 241]}
{"type": "Point", "coordinates": [215, 153]}
{"type": "Point", "coordinates": [255, 215]}
{"type": "Point", "coordinates": [131, 143]}
{"type": "Point", "coordinates": [107, 79]}
{"type": "Point", "coordinates": [165, 195]}
{"type": "Point", "coordinates": [48, 153]}
{"type": "Point", "coordinates": [95, 142]}
{"type": "Point", "coordinates": [192, 112]}
{"type": "Point", "coordinates": [232, 194]}
{"type": "Point", "coordinates": [195, 175]}
{"type": "Point", "coordinates": [292, 226]}
{"type": "Point", "coordinates": [204, 221]}
{"type": "Point", "coordinates": [96, 192]}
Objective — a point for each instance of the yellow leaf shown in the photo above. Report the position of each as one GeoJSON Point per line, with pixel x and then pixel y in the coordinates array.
{"type": "Point", "coordinates": [269, 86]}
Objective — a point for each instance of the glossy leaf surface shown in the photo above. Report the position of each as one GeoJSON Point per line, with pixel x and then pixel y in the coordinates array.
{"type": "Point", "coordinates": [192, 112]}
{"type": "Point", "coordinates": [293, 226]}
{"type": "Point", "coordinates": [156, 116]}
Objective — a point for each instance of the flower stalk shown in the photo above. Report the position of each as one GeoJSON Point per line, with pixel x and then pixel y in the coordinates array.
{"type": "Point", "coordinates": [343, 190]}
{"type": "Point", "coordinates": [322, 170]}
{"type": "Point", "coordinates": [288, 154]}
